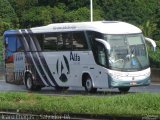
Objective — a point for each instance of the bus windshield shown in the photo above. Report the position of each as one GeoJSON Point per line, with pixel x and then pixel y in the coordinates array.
{"type": "Point", "coordinates": [128, 52]}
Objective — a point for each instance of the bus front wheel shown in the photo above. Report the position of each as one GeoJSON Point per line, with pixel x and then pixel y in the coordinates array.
{"type": "Point", "coordinates": [124, 89]}
{"type": "Point", "coordinates": [89, 86]}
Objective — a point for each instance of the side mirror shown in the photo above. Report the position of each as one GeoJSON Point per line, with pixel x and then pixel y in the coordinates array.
{"type": "Point", "coordinates": [153, 43]}
{"type": "Point", "coordinates": [105, 43]}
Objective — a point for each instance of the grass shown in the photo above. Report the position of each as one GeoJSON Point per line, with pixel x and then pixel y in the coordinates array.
{"type": "Point", "coordinates": [138, 104]}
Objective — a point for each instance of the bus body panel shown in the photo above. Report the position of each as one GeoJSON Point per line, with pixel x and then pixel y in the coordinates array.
{"type": "Point", "coordinates": [72, 65]}
{"type": "Point", "coordinates": [19, 66]}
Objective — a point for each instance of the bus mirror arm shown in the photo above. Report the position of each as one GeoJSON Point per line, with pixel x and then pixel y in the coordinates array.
{"type": "Point", "coordinates": [152, 42]}
{"type": "Point", "coordinates": [105, 43]}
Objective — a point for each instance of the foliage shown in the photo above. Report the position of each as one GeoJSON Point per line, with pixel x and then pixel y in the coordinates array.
{"type": "Point", "coordinates": [133, 11]}
{"type": "Point", "coordinates": [82, 14]}
{"type": "Point", "coordinates": [137, 104]}
{"type": "Point", "coordinates": [154, 55]}
{"type": "Point", "coordinates": [30, 13]}
{"type": "Point", "coordinates": [58, 14]}
{"type": "Point", "coordinates": [1, 49]}
{"type": "Point", "coordinates": [8, 18]}
{"type": "Point", "coordinates": [37, 16]}
{"type": "Point", "coordinates": [20, 6]}
{"type": "Point", "coordinates": [148, 28]}
{"type": "Point", "coordinates": [4, 26]}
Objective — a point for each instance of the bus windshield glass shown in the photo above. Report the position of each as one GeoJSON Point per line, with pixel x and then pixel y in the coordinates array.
{"type": "Point", "coordinates": [128, 52]}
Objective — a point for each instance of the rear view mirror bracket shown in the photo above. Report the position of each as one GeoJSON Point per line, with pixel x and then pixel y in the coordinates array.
{"type": "Point", "coordinates": [153, 43]}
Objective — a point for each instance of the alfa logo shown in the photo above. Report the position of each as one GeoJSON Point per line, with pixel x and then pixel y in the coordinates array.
{"type": "Point", "coordinates": [63, 68]}
{"type": "Point", "coordinates": [74, 57]}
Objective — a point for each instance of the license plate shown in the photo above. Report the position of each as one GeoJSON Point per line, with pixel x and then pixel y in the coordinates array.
{"type": "Point", "coordinates": [133, 83]}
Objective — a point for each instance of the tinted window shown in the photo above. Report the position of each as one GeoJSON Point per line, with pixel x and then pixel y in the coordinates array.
{"type": "Point", "coordinates": [101, 54]}
{"type": "Point", "coordinates": [96, 47]}
{"type": "Point", "coordinates": [66, 40]}
{"type": "Point", "coordinates": [19, 44]}
{"type": "Point", "coordinates": [62, 41]}
{"type": "Point", "coordinates": [10, 43]}
{"type": "Point", "coordinates": [39, 38]}
{"type": "Point", "coordinates": [50, 42]}
{"type": "Point", "coordinates": [79, 41]}
{"type": "Point", "coordinates": [10, 48]}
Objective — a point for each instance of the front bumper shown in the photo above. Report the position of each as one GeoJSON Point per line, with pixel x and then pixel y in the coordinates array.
{"type": "Point", "coordinates": [116, 83]}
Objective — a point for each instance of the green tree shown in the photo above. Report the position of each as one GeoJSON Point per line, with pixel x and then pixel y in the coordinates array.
{"type": "Point", "coordinates": [82, 14]}
{"type": "Point", "coordinates": [58, 13]}
{"type": "Point", "coordinates": [21, 6]}
{"type": "Point", "coordinates": [133, 11]}
{"type": "Point", "coordinates": [3, 26]}
{"type": "Point", "coordinates": [148, 28]}
{"type": "Point", "coordinates": [37, 16]}
{"type": "Point", "coordinates": [77, 4]}
{"type": "Point", "coordinates": [8, 18]}
{"type": "Point", "coordinates": [157, 21]}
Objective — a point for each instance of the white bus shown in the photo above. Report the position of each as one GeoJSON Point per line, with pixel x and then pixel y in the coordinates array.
{"type": "Point", "coordinates": [101, 54]}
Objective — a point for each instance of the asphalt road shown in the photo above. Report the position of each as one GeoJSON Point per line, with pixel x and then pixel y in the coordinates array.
{"type": "Point", "coordinates": [155, 88]}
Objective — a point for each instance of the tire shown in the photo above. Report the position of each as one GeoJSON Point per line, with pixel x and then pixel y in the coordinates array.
{"type": "Point", "coordinates": [89, 86]}
{"type": "Point", "coordinates": [29, 84]}
{"type": "Point", "coordinates": [124, 89]}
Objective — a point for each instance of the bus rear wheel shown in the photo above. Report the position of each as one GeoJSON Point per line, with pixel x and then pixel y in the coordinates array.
{"type": "Point", "coordinates": [124, 89]}
{"type": "Point", "coordinates": [29, 84]}
{"type": "Point", "coordinates": [89, 85]}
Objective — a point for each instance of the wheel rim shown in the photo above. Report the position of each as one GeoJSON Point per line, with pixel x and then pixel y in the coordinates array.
{"type": "Point", "coordinates": [29, 83]}
{"type": "Point", "coordinates": [88, 84]}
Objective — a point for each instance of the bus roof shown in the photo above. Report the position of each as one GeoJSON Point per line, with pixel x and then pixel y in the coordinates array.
{"type": "Point", "coordinates": [106, 27]}
{"type": "Point", "coordinates": [10, 32]}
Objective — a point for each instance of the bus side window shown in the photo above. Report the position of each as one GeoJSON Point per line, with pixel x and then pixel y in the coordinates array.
{"type": "Point", "coordinates": [50, 42]}
{"type": "Point", "coordinates": [59, 41]}
{"type": "Point", "coordinates": [19, 47]}
{"type": "Point", "coordinates": [11, 43]}
{"type": "Point", "coordinates": [67, 41]}
{"type": "Point", "coordinates": [99, 50]}
{"type": "Point", "coordinates": [10, 48]}
{"type": "Point", "coordinates": [92, 36]}
{"type": "Point", "coordinates": [79, 41]}
{"type": "Point", "coordinates": [101, 54]}
{"type": "Point", "coordinates": [40, 39]}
